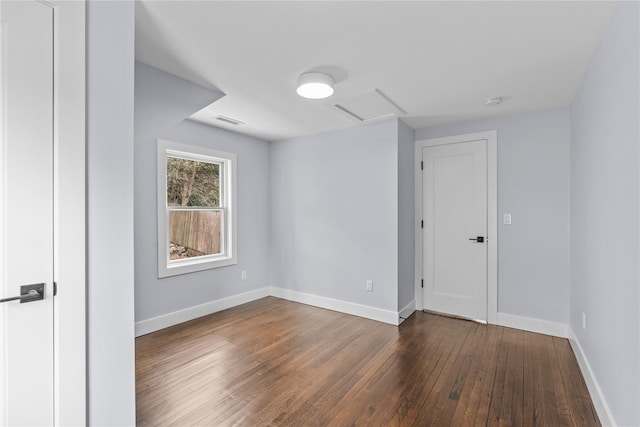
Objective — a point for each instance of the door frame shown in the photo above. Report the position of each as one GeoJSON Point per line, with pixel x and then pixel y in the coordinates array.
{"type": "Point", "coordinates": [491, 137]}
{"type": "Point", "coordinates": [70, 379]}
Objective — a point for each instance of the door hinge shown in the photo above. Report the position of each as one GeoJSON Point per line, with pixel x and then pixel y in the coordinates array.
{"type": "Point", "coordinates": [55, 289]}
{"type": "Point", "coordinates": [422, 224]}
{"type": "Point", "coordinates": [421, 165]}
{"type": "Point", "coordinates": [422, 283]}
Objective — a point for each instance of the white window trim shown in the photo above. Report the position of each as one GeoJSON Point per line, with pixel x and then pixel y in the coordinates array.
{"type": "Point", "coordinates": [227, 190]}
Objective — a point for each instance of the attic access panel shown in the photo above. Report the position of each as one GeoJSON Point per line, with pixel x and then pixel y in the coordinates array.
{"type": "Point", "coordinates": [368, 106]}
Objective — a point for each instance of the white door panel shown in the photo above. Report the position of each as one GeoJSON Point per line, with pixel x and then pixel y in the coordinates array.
{"type": "Point", "coordinates": [455, 211]}
{"type": "Point", "coordinates": [26, 211]}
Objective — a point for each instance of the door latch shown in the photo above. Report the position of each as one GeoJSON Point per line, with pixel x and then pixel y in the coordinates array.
{"type": "Point", "coordinates": [479, 239]}
{"type": "Point", "coordinates": [28, 293]}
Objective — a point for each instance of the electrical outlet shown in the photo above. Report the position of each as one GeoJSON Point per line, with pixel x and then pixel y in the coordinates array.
{"type": "Point", "coordinates": [584, 321]}
{"type": "Point", "coordinates": [369, 285]}
{"type": "Point", "coordinates": [243, 275]}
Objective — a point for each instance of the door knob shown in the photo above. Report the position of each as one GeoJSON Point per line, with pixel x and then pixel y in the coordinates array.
{"type": "Point", "coordinates": [479, 239]}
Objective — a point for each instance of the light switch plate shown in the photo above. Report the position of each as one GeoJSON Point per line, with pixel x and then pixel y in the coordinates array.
{"type": "Point", "coordinates": [507, 219]}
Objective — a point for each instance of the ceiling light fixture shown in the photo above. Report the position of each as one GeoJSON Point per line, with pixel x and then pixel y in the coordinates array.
{"type": "Point", "coordinates": [490, 102]}
{"type": "Point", "coordinates": [315, 85]}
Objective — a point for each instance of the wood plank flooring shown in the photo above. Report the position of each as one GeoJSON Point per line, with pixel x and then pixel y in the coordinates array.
{"type": "Point", "coordinates": [277, 363]}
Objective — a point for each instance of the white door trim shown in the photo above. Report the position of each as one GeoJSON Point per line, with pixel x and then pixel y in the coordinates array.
{"type": "Point", "coordinates": [69, 213]}
{"type": "Point", "coordinates": [492, 215]}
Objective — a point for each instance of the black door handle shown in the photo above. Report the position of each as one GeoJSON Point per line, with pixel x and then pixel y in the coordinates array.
{"type": "Point", "coordinates": [479, 239]}
{"type": "Point", "coordinates": [28, 293]}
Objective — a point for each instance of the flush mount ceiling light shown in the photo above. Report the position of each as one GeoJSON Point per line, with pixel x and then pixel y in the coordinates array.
{"type": "Point", "coordinates": [490, 102]}
{"type": "Point", "coordinates": [315, 85]}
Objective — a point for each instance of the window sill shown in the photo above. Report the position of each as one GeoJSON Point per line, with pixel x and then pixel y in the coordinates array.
{"type": "Point", "coordinates": [176, 268]}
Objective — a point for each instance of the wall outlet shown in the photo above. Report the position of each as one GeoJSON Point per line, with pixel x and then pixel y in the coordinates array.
{"type": "Point", "coordinates": [243, 275]}
{"type": "Point", "coordinates": [584, 321]}
{"type": "Point", "coordinates": [369, 285]}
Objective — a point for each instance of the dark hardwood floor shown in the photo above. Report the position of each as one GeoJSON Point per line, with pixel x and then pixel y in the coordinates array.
{"type": "Point", "coordinates": [275, 362]}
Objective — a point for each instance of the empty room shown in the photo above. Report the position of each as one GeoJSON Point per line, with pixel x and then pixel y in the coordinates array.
{"type": "Point", "coordinates": [321, 213]}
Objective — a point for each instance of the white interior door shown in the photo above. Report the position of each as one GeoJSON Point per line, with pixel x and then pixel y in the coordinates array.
{"type": "Point", "coordinates": [454, 185]}
{"type": "Point", "coordinates": [26, 212]}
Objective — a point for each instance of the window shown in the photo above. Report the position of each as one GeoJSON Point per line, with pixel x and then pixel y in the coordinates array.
{"type": "Point", "coordinates": [196, 212]}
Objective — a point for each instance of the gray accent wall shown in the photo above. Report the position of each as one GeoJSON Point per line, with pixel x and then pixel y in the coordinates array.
{"type": "Point", "coordinates": [109, 156]}
{"type": "Point", "coordinates": [163, 101]}
{"type": "Point", "coordinates": [533, 186]}
{"type": "Point", "coordinates": [406, 215]}
{"type": "Point", "coordinates": [605, 215]}
{"type": "Point", "coordinates": [334, 214]}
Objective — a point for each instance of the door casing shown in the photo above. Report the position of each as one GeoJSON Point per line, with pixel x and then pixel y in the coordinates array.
{"type": "Point", "coordinates": [491, 138]}
{"type": "Point", "coordinates": [70, 349]}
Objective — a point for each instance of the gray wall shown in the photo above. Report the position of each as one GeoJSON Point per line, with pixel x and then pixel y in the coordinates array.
{"type": "Point", "coordinates": [110, 310]}
{"type": "Point", "coordinates": [605, 186]}
{"type": "Point", "coordinates": [406, 215]}
{"type": "Point", "coordinates": [162, 102]}
{"type": "Point", "coordinates": [533, 186]}
{"type": "Point", "coordinates": [334, 214]}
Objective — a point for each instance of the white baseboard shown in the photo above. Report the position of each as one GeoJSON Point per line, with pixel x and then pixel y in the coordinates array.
{"type": "Point", "coordinates": [597, 397]}
{"type": "Point", "coordinates": [147, 326]}
{"type": "Point", "coordinates": [373, 313]}
{"type": "Point", "coordinates": [532, 325]}
{"type": "Point", "coordinates": [156, 323]}
{"type": "Point", "coordinates": [407, 311]}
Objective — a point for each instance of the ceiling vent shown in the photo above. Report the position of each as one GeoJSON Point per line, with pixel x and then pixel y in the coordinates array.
{"type": "Point", "coordinates": [229, 120]}
{"type": "Point", "coordinates": [368, 106]}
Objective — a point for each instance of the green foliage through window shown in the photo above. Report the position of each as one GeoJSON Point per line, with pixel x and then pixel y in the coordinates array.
{"type": "Point", "coordinates": [192, 183]}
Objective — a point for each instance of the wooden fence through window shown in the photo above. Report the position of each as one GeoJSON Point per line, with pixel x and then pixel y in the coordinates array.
{"type": "Point", "coordinates": [198, 230]}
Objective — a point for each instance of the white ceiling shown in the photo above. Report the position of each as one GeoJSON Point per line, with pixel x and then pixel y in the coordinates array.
{"type": "Point", "coordinates": [437, 60]}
